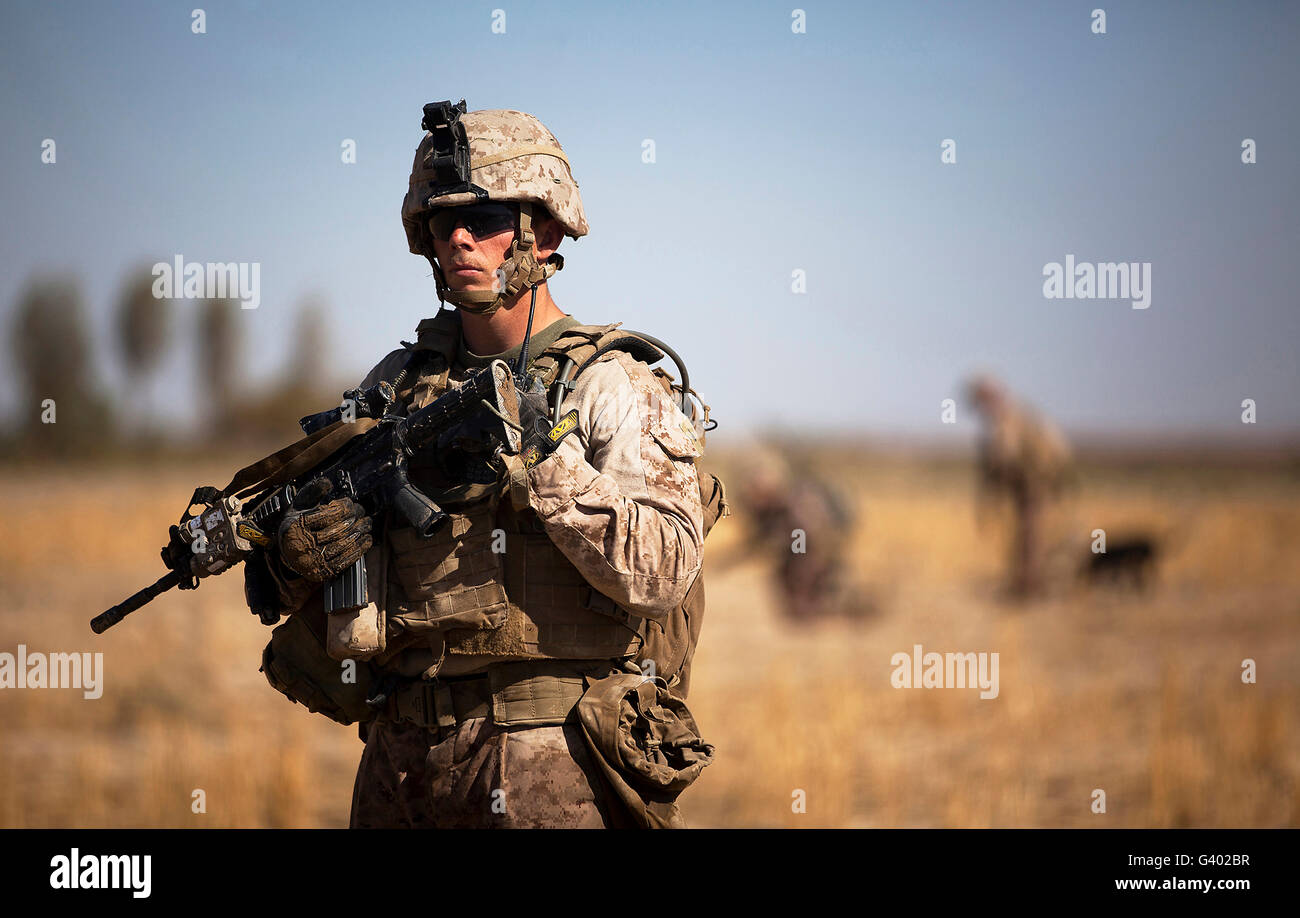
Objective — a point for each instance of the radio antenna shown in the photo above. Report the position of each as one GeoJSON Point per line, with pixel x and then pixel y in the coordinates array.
{"type": "Point", "coordinates": [522, 363]}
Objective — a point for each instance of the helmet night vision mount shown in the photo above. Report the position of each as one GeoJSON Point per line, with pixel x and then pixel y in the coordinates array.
{"type": "Point", "coordinates": [450, 153]}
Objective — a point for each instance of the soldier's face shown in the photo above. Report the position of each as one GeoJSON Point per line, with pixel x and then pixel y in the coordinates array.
{"type": "Point", "coordinates": [987, 403]}
{"type": "Point", "coordinates": [470, 262]}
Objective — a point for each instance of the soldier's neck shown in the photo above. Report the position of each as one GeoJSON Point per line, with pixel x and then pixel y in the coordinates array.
{"type": "Point", "coordinates": [505, 328]}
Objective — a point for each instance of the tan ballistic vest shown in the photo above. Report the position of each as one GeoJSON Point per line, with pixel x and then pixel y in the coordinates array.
{"type": "Point", "coordinates": [526, 600]}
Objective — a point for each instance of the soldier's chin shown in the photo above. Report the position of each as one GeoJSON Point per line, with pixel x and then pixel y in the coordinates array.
{"type": "Point", "coordinates": [466, 284]}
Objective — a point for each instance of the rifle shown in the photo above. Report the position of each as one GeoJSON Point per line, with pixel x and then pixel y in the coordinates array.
{"type": "Point", "coordinates": [220, 530]}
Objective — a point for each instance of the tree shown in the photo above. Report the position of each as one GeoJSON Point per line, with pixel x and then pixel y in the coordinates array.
{"type": "Point", "coordinates": [219, 347]}
{"type": "Point", "coordinates": [308, 359]}
{"type": "Point", "coordinates": [143, 325]}
{"type": "Point", "coordinates": [63, 410]}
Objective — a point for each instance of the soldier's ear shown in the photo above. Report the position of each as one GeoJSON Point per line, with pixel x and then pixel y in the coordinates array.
{"type": "Point", "coordinates": [547, 235]}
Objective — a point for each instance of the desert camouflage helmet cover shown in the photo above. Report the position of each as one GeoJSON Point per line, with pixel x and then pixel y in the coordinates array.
{"type": "Point", "coordinates": [514, 158]}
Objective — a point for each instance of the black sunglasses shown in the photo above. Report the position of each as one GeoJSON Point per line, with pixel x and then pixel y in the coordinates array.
{"type": "Point", "coordinates": [480, 219]}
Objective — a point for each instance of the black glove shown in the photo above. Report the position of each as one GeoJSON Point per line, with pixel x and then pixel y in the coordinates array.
{"type": "Point", "coordinates": [540, 437]}
{"type": "Point", "coordinates": [320, 540]}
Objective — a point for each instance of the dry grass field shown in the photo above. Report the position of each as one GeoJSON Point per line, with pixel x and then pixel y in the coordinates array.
{"type": "Point", "coordinates": [1138, 695]}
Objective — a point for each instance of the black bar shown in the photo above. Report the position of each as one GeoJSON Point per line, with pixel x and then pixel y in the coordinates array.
{"type": "Point", "coordinates": [974, 869]}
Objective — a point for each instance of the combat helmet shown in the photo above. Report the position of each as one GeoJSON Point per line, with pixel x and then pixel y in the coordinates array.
{"type": "Point", "coordinates": [986, 390]}
{"type": "Point", "coordinates": [491, 155]}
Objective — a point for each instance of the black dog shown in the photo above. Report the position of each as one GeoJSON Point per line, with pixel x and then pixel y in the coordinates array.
{"type": "Point", "coordinates": [1127, 561]}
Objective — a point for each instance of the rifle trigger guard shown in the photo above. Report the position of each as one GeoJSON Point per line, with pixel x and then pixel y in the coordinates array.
{"type": "Point", "coordinates": [399, 434]}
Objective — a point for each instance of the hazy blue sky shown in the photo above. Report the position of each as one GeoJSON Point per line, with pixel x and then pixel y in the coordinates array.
{"type": "Point", "coordinates": [775, 151]}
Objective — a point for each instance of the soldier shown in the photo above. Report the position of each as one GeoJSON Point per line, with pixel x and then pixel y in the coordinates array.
{"type": "Point", "coordinates": [802, 522]}
{"type": "Point", "coordinates": [1023, 456]}
{"type": "Point", "coordinates": [551, 572]}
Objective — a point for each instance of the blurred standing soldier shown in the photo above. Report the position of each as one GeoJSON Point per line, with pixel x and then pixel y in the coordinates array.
{"type": "Point", "coordinates": [804, 524]}
{"type": "Point", "coordinates": [1024, 456]}
{"type": "Point", "coordinates": [557, 568]}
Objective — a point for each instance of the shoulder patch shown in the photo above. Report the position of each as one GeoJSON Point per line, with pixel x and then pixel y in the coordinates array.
{"type": "Point", "coordinates": [664, 420]}
{"type": "Point", "coordinates": [677, 439]}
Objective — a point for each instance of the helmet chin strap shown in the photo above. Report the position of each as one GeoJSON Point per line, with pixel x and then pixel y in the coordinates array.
{"type": "Point", "coordinates": [519, 270]}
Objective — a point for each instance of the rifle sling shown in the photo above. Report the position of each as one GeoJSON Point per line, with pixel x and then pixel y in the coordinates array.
{"type": "Point", "coordinates": [301, 457]}
{"type": "Point", "coordinates": [296, 459]}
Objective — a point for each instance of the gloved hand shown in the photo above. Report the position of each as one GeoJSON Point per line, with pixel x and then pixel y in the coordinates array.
{"type": "Point", "coordinates": [540, 437]}
{"type": "Point", "coordinates": [465, 453]}
{"type": "Point", "coordinates": [319, 540]}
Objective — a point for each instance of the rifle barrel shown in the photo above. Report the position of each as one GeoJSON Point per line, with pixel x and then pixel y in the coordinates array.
{"type": "Point", "coordinates": [105, 620]}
